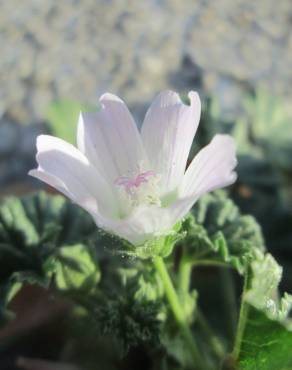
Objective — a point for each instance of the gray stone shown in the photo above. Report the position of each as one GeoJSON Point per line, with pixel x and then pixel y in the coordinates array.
{"type": "Point", "coordinates": [79, 49]}
{"type": "Point", "coordinates": [9, 137]}
{"type": "Point", "coordinates": [27, 145]}
{"type": "Point", "coordinates": [243, 41]}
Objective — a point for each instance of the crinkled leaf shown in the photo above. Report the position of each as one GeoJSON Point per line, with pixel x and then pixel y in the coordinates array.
{"type": "Point", "coordinates": [32, 230]}
{"type": "Point", "coordinates": [270, 116]}
{"type": "Point", "coordinates": [263, 131]}
{"type": "Point", "coordinates": [73, 267]}
{"type": "Point", "coordinates": [128, 321]}
{"type": "Point", "coordinates": [126, 308]}
{"type": "Point", "coordinates": [267, 339]}
{"type": "Point", "coordinates": [263, 293]}
{"type": "Point", "coordinates": [216, 230]}
{"type": "Point", "coordinates": [33, 227]}
{"type": "Point", "coordinates": [149, 287]}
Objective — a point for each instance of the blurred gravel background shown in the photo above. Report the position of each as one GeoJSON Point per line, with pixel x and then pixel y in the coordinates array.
{"type": "Point", "coordinates": [79, 49]}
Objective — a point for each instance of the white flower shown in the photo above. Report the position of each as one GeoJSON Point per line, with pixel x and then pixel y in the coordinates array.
{"type": "Point", "coordinates": [135, 184]}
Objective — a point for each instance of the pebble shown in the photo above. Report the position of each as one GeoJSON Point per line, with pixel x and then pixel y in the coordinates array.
{"type": "Point", "coordinates": [78, 49]}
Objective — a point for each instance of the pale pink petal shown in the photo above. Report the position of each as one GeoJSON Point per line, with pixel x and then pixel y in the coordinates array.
{"type": "Point", "coordinates": [146, 222]}
{"type": "Point", "coordinates": [212, 168]}
{"type": "Point", "coordinates": [63, 166]}
{"type": "Point", "coordinates": [167, 133]}
{"type": "Point", "coordinates": [110, 139]}
{"type": "Point", "coordinates": [143, 224]}
{"type": "Point", "coordinates": [85, 200]}
{"type": "Point", "coordinates": [53, 181]}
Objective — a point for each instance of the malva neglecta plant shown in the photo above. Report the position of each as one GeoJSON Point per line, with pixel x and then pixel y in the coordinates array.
{"type": "Point", "coordinates": [136, 185]}
{"type": "Point", "coordinates": [132, 275]}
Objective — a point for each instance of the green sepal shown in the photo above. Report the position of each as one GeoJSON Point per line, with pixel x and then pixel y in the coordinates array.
{"type": "Point", "coordinates": [161, 246]}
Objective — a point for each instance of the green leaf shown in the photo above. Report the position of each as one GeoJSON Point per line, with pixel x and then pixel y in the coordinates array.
{"type": "Point", "coordinates": [241, 134]}
{"type": "Point", "coordinates": [33, 231]}
{"type": "Point", "coordinates": [263, 130]}
{"type": "Point", "coordinates": [270, 116]}
{"type": "Point", "coordinates": [267, 339]}
{"type": "Point", "coordinates": [150, 287]}
{"type": "Point", "coordinates": [263, 293]}
{"type": "Point", "coordinates": [74, 268]}
{"type": "Point", "coordinates": [127, 320]}
{"type": "Point", "coordinates": [266, 344]}
{"type": "Point", "coordinates": [32, 228]}
{"type": "Point", "coordinates": [217, 231]}
{"type": "Point", "coordinates": [56, 242]}
{"type": "Point", "coordinates": [63, 118]}
{"type": "Point", "coordinates": [125, 309]}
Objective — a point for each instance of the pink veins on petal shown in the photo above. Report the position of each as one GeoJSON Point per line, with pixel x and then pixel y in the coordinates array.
{"type": "Point", "coordinates": [130, 184]}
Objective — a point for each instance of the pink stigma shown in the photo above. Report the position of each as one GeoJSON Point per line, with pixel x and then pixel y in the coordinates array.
{"type": "Point", "coordinates": [130, 184]}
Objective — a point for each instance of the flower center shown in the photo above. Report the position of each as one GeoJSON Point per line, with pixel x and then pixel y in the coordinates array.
{"type": "Point", "coordinates": [141, 189]}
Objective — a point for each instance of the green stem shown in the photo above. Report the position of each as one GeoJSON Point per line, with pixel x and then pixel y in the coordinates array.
{"type": "Point", "coordinates": [178, 311]}
{"type": "Point", "coordinates": [229, 298]}
{"type": "Point", "coordinates": [243, 315]}
{"type": "Point", "coordinates": [185, 271]}
{"type": "Point", "coordinates": [184, 277]}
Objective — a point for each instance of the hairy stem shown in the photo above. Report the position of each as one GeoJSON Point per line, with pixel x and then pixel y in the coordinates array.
{"type": "Point", "coordinates": [184, 279]}
{"type": "Point", "coordinates": [243, 315]}
{"type": "Point", "coordinates": [228, 290]}
{"type": "Point", "coordinates": [184, 275]}
{"type": "Point", "coordinates": [178, 312]}
{"type": "Point", "coordinates": [229, 297]}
